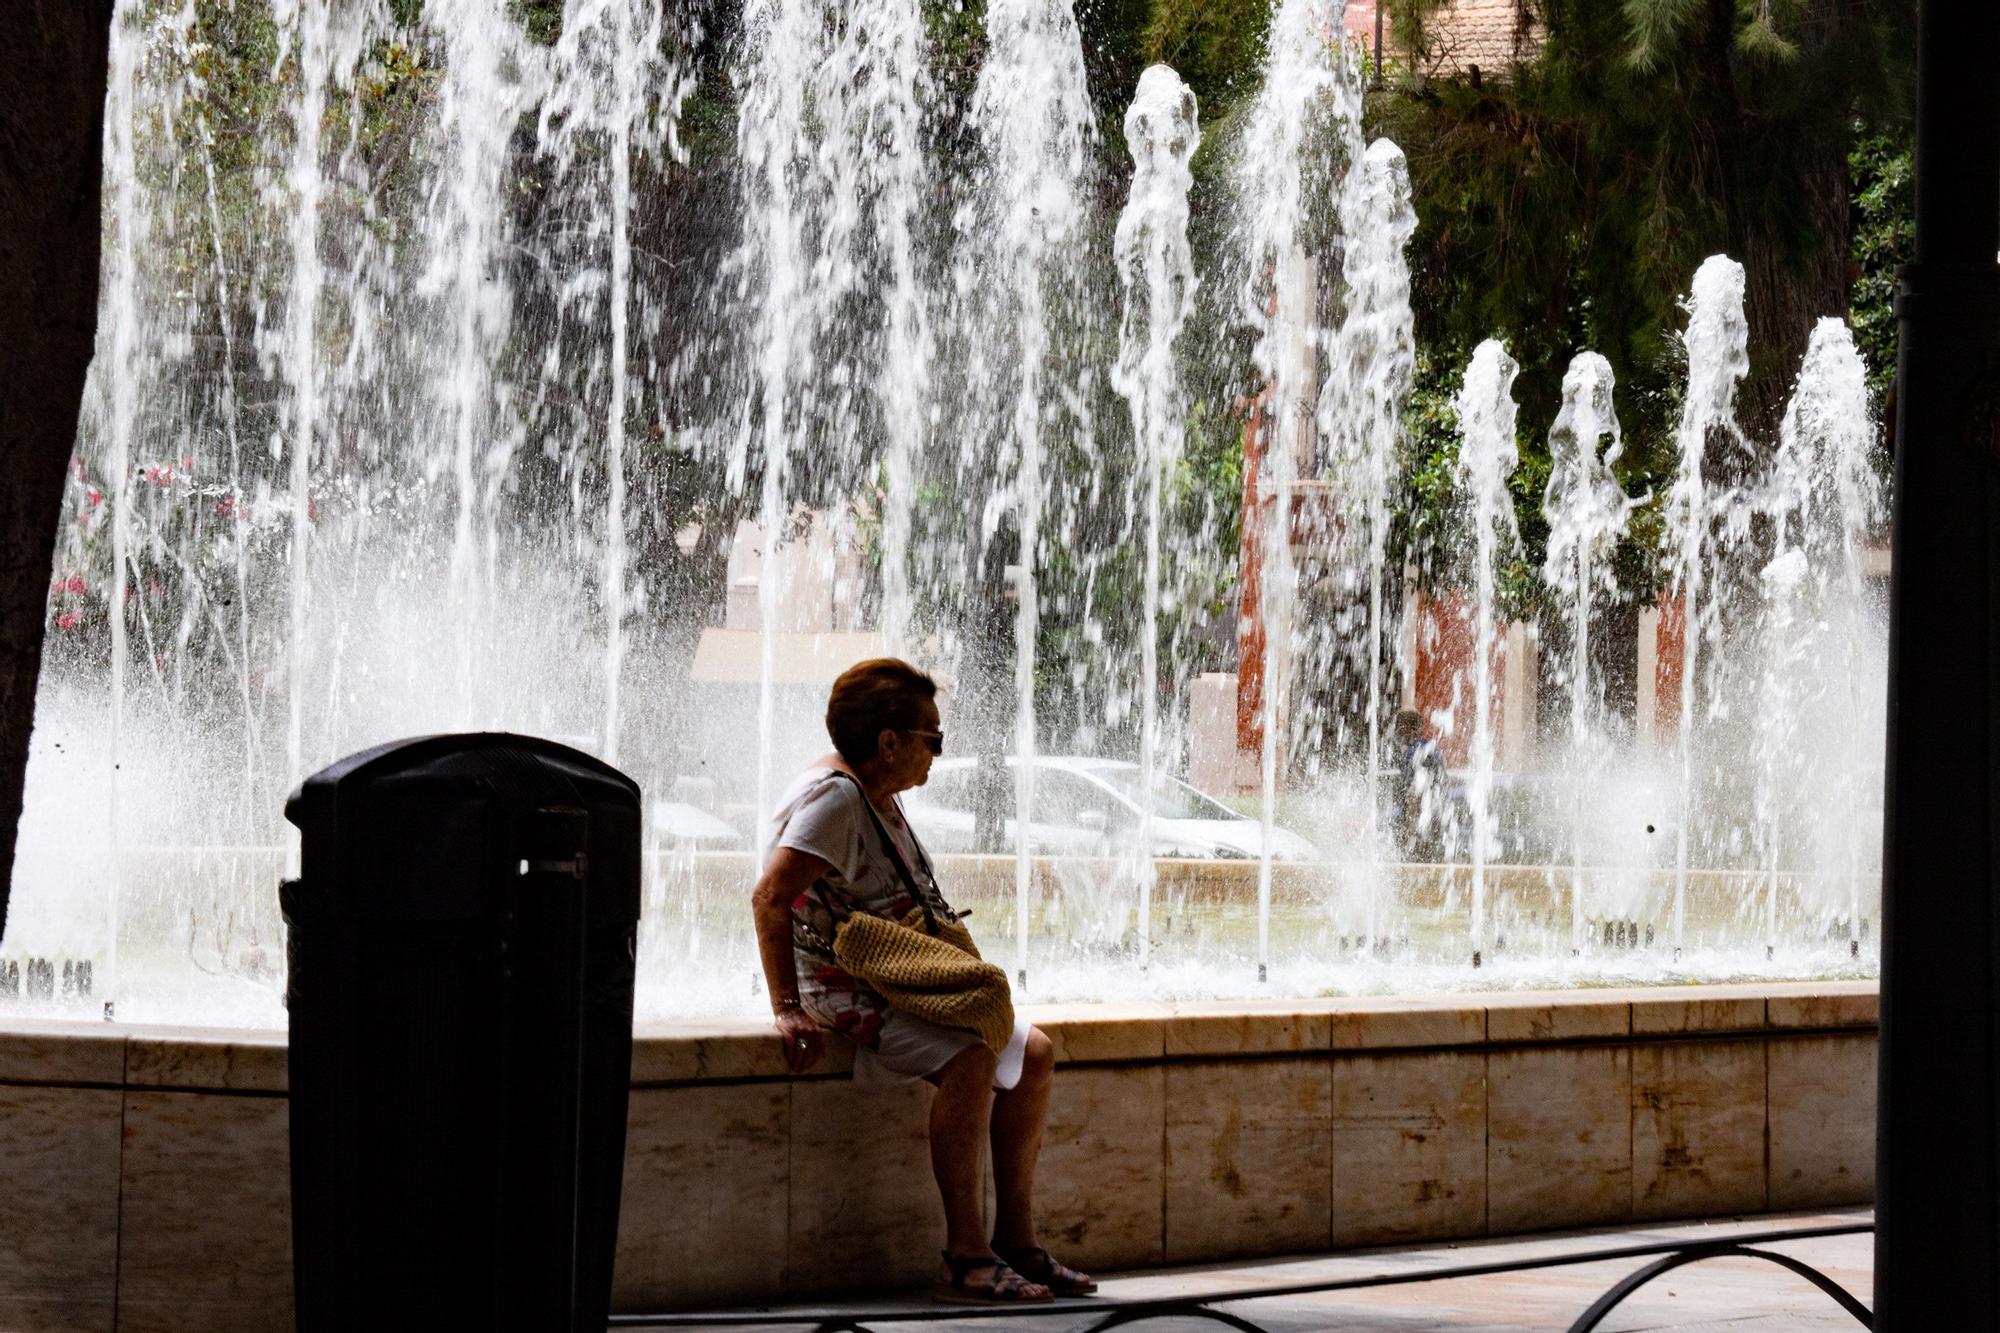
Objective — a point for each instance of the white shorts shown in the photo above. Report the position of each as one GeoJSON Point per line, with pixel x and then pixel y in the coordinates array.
{"type": "Point", "coordinates": [912, 1048]}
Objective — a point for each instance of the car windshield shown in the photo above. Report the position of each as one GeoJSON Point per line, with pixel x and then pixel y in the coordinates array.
{"type": "Point", "coordinates": [1172, 798]}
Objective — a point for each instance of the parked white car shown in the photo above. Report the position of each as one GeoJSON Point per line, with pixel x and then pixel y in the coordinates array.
{"type": "Point", "coordinates": [683, 824]}
{"type": "Point", "coordinates": [1083, 807]}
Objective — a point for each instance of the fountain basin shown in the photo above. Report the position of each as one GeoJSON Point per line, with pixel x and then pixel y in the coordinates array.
{"type": "Point", "coordinates": [147, 1181]}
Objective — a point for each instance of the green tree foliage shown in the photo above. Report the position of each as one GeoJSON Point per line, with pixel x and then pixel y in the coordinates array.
{"type": "Point", "coordinates": [1884, 214]}
{"type": "Point", "coordinates": [1566, 205]}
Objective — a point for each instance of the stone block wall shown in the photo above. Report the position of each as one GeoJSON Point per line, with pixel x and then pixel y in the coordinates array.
{"type": "Point", "coordinates": [144, 1171]}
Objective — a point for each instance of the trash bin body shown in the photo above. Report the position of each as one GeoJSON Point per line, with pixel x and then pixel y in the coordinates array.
{"type": "Point", "coordinates": [461, 942]}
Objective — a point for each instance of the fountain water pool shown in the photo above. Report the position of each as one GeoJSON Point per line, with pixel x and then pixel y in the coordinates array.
{"type": "Point", "coordinates": [435, 395]}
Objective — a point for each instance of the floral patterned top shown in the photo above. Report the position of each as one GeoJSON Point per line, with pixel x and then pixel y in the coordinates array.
{"type": "Point", "coordinates": [824, 814]}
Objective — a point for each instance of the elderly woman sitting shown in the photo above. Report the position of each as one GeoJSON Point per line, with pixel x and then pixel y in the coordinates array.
{"type": "Point", "coordinates": [840, 845]}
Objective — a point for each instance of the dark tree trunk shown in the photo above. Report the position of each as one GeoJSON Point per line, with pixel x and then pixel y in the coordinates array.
{"type": "Point", "coordinates": [54, 58]}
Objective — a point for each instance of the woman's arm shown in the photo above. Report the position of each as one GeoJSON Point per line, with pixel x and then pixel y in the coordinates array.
{"type": "Point", "coordinates": [787, 874]}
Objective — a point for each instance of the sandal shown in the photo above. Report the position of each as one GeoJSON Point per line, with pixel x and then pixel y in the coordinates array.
{"type": "Point", "coordinates": [1038, 1265]}
{"type": "Point", "coordinates": [1001, 1286]}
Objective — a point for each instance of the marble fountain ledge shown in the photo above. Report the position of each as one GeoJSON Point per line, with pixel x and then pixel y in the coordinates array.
{"type": "Point", "coordinates": [146, 1167]}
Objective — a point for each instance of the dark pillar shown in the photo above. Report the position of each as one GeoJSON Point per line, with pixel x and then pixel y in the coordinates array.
{"type": "Point", "coordinates": [1937, 1249]}
{"type": "Point", "coordinates": [53, 67]}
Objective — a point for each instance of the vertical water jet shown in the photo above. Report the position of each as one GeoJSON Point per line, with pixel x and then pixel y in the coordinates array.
{"type": "Point", "coordinates": [1301, 137]}
{"type": "Point", "coordinates": [1716, 342]}
{"type": "Point", "coordinates": [1587, 512]}
{"type": "Point", "coordinates": [1156, 268]}
{"type": "Point", "coordinates": [1033, 122]}
{"type": "Point", "coordinates": [1373, 364]}
{"type": "Point", "coordinates": [1487, 457]}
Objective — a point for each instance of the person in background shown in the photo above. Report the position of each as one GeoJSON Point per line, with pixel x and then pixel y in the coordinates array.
{"type": "Point", "coordinates": [839, 844]}
{"type": "Point", "coordinates": [1420, 782]}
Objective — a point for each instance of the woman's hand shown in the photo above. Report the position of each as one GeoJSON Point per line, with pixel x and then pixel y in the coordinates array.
{"type": "Point", "coordinates": [804, 1042]}
{"type": "Point", "coordinates": [787, 874]}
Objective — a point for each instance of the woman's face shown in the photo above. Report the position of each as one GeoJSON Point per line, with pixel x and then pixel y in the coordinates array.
{"type": "Point", "coordinates": [905, 756]}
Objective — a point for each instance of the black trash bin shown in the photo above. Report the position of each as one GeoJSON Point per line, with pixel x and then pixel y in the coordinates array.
{"type": "Point", "coordinates": [461, 943]}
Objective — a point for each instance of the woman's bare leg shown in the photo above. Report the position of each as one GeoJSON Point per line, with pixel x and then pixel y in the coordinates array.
{"type": "Point", "coordinates": [961, 1113]}
{"type": "Point", "coordinates": [1019, 1116]}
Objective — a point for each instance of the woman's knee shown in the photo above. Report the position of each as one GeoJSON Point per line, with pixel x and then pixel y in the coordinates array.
{"type": "Point", "coordinates": [975, 1065]}
{"type": "Point", "coordinates": [1040, 1059]}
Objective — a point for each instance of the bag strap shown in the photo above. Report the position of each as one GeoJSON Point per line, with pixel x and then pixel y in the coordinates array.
{"type": "Point", "coordinates": [924, 897]}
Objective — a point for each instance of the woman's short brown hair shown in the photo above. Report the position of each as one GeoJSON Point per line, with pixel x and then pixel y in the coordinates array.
{"type": "Point", "coordinates": [881, 694]}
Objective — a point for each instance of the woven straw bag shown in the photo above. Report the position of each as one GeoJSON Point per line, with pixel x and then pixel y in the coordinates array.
{"type": "Point", "coordinates": [939, 978]}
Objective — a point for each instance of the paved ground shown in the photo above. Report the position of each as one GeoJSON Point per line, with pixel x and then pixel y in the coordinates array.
{"type": "Point", "coordinates": [1736, 1295]}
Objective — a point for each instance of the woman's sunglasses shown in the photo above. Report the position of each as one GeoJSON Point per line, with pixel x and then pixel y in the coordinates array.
{"type": "Point", "coordinates": [932, 739]}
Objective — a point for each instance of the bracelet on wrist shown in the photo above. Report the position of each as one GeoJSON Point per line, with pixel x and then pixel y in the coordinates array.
{"type": "Point", "coordinates": [789, 1002]}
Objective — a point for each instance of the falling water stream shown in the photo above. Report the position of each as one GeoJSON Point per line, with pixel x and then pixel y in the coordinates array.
{"type": "Point", "coordinates": [431, 375]}
{"type": "Point", "coordinates": [1360, 413]}
{"type": "Point", "coordinates": [1487, 455]}
{"type": "Point", "coordinates": [1823, 684]}
{"type": "Point", "coordinates": [1704, 514]}
{"type": "Point", "coordinates": [833, 181]}
{"type": "Point", "coordinates": [1031, 112]}
{"type": "Point", "coordinates": [1302, 135]}
{"type": "Point", "coordinates": [1156, 266]}
{"type": "Point", "coordinates": [1587, 512]}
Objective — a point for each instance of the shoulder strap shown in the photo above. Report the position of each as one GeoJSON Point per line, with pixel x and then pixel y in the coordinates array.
{"type": "Point", "coordinates": [895, 856]}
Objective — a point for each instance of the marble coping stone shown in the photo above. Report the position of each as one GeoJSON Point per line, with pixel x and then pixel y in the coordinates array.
{"type": "Point", "coordinates": [674, 1053]}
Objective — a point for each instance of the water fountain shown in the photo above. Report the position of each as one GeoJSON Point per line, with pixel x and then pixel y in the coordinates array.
{"type": "Point", "coordinates": [1707, 517]}
{"type": "Point", "coordinates": [1487, 456]}
{"type": "Point", "coordinates": [425, 392]}
{"type": "Point", "coordinates": [1822, 683]}
{"type": "Point", "coordinates": [1587, 512]}
{"type": "Point", "coordinates": [1360, 411]}
{"type": "Point", "coordinates": [1024, 228]}
{"type": "Point", "coordinates": [1302, 136]}
{"type": "Point", "coordinates": [1156, 266]}
{"type": "Point", "coordinates": [833, 178]}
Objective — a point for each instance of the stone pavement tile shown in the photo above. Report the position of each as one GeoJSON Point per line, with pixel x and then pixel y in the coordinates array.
{"type": "Point", "coordinates": [1736, 1295]}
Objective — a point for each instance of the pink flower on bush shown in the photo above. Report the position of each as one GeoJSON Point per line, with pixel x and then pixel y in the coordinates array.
{"type": "Point", "coordinates": [160, 474]}
{"type": "Point", "coordinates": [226, 506]}
{"type": "Point", "coordinates": [95, 496]}
{"type": "Point", "coordinates": [69, 620]}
